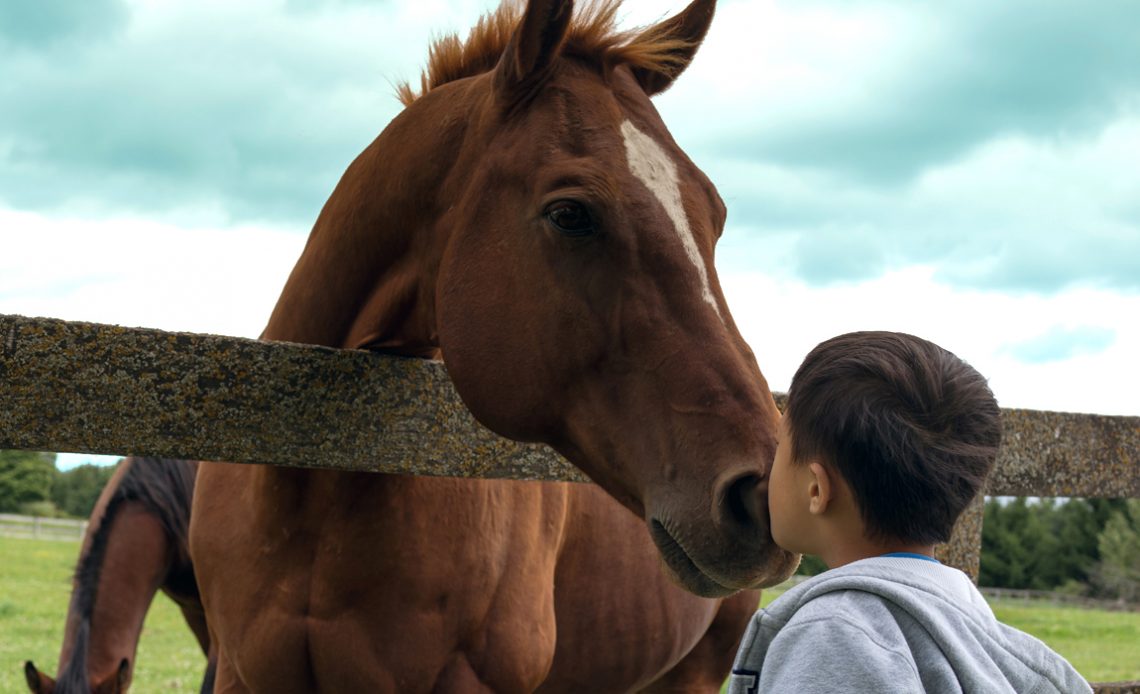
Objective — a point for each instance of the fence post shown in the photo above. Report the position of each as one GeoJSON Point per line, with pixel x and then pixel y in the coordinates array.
{"type": "Point", "coordinates": [964, 550]}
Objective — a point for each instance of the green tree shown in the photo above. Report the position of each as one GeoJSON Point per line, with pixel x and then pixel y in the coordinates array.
{"type": "Point", "coordinates": [1103, 509]}
{"type": "Point", "coordinates": [1076, 526]}
{"type": "Point", "coordinates": [1117, 575]}
{"type": "Point", "coordinates": [1043, 544]}
{"type": "Point", "coordinates": [1006, 541]}
{"type": "Point", "coordinates": [811, 565]}
{"type": "Point", "coordinates": [76, 490]}
{"type": "Point", "coordinates": [1046, 571]}
{"type": "Point", "coordinates": [25, 477]}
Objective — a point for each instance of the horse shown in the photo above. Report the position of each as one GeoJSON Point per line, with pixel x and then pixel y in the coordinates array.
{"type": "Point", "coordinates": [527, 219]}
{"type": "Point", "coordinates": [136, 543]}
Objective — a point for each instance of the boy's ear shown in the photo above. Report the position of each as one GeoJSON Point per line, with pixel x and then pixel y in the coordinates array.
{"type": "Point", "coordinates": [820, 490]}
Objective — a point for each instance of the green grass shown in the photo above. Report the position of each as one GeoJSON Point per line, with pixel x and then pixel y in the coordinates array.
{"type": "Point", "coordinates": [35, 585]}
{"type": "Point", "coordinates": [1102, 646]}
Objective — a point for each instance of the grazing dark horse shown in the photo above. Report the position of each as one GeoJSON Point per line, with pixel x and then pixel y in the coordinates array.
{"type": "Point", "coordinates": [528, 219]}
{"type": "Point", "coordinates": [136, 544]}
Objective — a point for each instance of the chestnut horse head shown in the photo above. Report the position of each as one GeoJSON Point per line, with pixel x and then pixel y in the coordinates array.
{"type": "Point", "coordinates": [529, 218]}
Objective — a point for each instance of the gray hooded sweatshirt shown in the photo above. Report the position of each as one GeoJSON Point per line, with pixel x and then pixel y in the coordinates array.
{"type": "Point", "coordinates": [892, 624]}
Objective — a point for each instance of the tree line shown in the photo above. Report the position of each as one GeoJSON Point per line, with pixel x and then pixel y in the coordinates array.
{"type": "Point", "coordinates": [1088, 547]}
{"type": "Point", "coordinates": [31, 484]}
{"type": "Point", "coordinates": [1082, 546]}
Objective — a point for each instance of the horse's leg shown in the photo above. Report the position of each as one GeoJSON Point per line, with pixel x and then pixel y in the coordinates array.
{"type": "Point", "coordinates": [211, 672]}
{"type": "Point", "coordinates": [195, 618]}
{"type": "Point", "coordinates": [225, 678]}
{"type": "Point", "coordinates": [706, 667]}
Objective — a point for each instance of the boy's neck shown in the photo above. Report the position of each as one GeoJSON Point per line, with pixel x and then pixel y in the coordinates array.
{"type": "Point", "coordinates": [839, 533]}
{"type": "Point", "coordinates": [851, 551]}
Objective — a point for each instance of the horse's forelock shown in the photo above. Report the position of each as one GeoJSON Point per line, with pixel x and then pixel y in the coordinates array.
{"type": "Point", "coordinates": [592, 36]}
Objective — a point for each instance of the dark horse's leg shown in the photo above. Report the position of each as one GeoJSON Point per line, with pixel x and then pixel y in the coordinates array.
{"type": "Point", "coordinates": [195, 618]}
{"type": "Point", "coordinates": [211, 673]}
{"type": "Point", "coordinates": [714, 653]}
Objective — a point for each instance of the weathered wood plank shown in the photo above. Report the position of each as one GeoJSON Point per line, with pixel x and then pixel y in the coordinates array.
{"type": "Point", "coordinates": [89, 388]}
{"type": "Point", "coordinates": [1067, 454]}
{"type": "Point", "coordinates": [1064, 454]}
{"type": "Point", "coordinates": [82, 387]}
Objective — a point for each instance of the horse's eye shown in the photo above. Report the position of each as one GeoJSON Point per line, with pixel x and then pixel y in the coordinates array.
{"type": "Point", "coordinates": [570, 218]}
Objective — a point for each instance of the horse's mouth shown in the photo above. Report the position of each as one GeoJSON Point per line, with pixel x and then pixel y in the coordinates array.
{"type": "Point", "coordinates": [684, 569]}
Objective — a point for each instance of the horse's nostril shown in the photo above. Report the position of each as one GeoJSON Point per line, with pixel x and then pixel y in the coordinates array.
{"type": "Point", "coordinates": [745, 504]}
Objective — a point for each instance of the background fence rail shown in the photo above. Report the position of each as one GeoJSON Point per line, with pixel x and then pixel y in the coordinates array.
{"type": "Point", "coordinates": [1059, 599]}
{"type": "Point", "coordinates": [38, 528]}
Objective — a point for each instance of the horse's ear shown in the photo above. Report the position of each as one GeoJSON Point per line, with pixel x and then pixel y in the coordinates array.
{"type": "Point", "coordinates": [118, 681]}
{"type": "Point", "coordinates": [687, 30]}
{"type": "Point", "coordinates": [38, 682]}
{"type": "Point", "coordinates": [533, 46]}
{"type": "Point", "coordinates": [122, 676]}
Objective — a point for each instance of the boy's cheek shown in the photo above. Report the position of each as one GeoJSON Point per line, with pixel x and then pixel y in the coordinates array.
{"type": "Point", "coordinates": [787, 531]}
{"type": "Point", "coordinates": [776, 512]}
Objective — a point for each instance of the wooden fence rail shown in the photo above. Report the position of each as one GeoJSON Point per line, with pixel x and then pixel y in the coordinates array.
{"type": "Point", "coordinates": [89, 388]}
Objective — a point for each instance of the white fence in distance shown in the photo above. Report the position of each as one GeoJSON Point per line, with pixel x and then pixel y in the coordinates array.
{"type": "Point", "coordinates": [37, 528]}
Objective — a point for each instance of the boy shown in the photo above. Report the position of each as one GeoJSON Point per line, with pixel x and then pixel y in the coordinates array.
{"type": "Point", "coordinates": [886, 439]}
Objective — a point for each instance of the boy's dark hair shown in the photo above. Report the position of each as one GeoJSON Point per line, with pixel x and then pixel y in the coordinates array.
{"type": "Point", "coordinates": [910, 427]}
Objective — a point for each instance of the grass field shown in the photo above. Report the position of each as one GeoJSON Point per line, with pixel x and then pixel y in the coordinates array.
{"type": "Point", "coordinates": [1103, 646]}
{"type": "Point", "coordinates": [35, 586]}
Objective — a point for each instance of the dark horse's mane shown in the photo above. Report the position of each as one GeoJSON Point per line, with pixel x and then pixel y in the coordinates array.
{"type": "Point", "coordinates": [165, 487]}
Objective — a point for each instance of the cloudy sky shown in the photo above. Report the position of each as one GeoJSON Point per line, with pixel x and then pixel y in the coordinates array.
{"type": "Point", "coordinates": [963, 170]}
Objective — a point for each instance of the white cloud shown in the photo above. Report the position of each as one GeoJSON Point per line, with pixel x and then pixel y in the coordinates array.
{"type": "Point", "coordinates": [138, 272]}
{"type": "Point", "coordinates": [1019, 213]}
{"type": "Point", "coordinates": [769, 66]}
{"type": "Point", "coordinates": [782, 319]}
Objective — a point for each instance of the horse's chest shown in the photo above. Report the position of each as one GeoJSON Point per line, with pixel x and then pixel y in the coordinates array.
{"type": "Point", "coordinates": [401, 636]}
{"type": "Point", "coordinates": [401, 596]}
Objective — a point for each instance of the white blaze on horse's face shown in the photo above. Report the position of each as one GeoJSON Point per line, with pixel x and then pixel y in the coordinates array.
{"type": "Point", "coordinates": [652, 165]}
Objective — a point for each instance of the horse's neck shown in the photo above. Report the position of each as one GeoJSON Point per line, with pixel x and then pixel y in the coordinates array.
{"type": "Point", "coordinates": [367, 274]}
{"type": "Point", "coordinates": [113, 593]}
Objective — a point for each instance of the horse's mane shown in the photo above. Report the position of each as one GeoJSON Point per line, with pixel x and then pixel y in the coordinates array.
{"type": "Point", "coordinates": [165, 487]}
{"type": "Point", "coordinates": [592, 36]}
